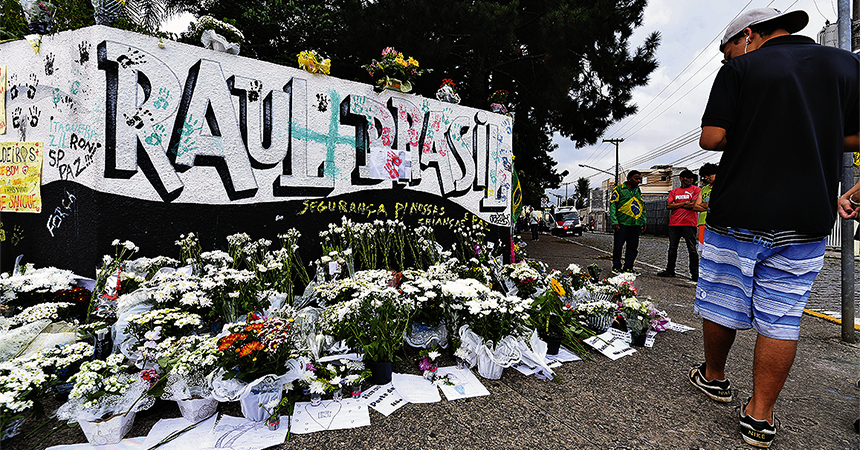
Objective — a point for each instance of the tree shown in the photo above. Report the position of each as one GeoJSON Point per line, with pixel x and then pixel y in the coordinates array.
{"type": "Point", "coordinates": [583, 190]}
{"type": "Point", "coordinates": [141, 16]}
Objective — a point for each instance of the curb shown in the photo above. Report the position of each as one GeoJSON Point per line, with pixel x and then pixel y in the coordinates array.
{"type": "Point", "coordinates": [826, 317]}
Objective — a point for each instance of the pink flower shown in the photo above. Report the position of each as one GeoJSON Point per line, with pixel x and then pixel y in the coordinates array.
{"type": "Point", "coordinates": [424, 364]}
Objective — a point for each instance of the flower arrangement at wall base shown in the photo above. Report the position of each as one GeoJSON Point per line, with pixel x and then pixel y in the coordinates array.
{"type": "Point", "coordinates": [428, 327]}
{"type": "Point", "coordinates": [146, 330]}
{"type": "Point", "coordinates": [492, 324]}
{"type": "Point", "coordinates": [394, 71]}
{"type": "Point", "coordinates": [105, 398]}
{"type": "Point", "coordinates": [187, 362]}
{"type": "Point", "coordinates": [373, 319]}
{"type": "Point", "coordinates": [20, 387]}
{"type": "Point", "coordinates": [33, 286]}
{"type": "Point", "coordinates": [256, 360]}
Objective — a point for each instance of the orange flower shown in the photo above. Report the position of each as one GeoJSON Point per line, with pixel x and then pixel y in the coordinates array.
{"type": "Point", "coordinates": [255, 327]}
{"type": "Point", "coordinates": [250, 347]}
{"type": "Point", "coordinates": [227, 341]}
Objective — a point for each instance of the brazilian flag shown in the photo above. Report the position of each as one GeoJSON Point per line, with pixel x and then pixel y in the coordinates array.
{"type": "Point", "coordinates": [517, 197]}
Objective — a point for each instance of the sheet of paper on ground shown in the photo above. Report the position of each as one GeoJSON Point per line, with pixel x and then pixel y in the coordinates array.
{"type": "Point", "coordinates": [415, 388]}
{"type": "Point", "coordinates": [383, 398]}
{"type": "Point", "coordinates": [328, 415]}
{"type": "Point", "coordinates": [466, 384]}
{"type": "Point", "coordinates": [610, 346]}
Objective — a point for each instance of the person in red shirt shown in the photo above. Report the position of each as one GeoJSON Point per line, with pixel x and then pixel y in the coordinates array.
{"type": "Point", "coordinates": [682, 223]}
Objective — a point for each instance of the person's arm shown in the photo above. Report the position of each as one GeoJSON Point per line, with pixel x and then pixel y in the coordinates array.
{"type": "Point", "coordinates": [613, 205]}
{"type": "Point", "coordinates": [672, 204]}
{"type": "Point", "coordinates": [700, 205]}
{"type": "Point", "coordinates": [713, 138]}
{"type": "Point", "coordinates": [852, 143]}
{"type": "Point", "coordinates": [675, 205]}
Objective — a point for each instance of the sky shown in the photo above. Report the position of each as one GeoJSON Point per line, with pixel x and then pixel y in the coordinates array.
{"type": "Point", "coordinates": [671, 104]}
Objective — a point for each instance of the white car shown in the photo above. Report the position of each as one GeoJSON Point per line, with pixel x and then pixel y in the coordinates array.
{"type": "Point", "coordinates": [567, 221]}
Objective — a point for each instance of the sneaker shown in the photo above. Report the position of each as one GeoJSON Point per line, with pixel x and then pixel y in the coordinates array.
{"type": "Point", "coordinates": [757, 433]}
{"type": "Point", "coordinates": [634, 272]}
{"type": "Point", "coordinates": [718, 390]}
{"type": "Point", "coordinates": [616, 270]}
{"type": "Point", "coordinates": [666, 274]}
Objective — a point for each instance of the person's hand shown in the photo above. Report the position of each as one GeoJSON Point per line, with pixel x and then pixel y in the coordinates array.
{"type": "Point", "coordinates": [616, 227]}
{"type": "Point", "coordinates": [847, 210]}
{"type": "Point", "coordinates": [643, 227]}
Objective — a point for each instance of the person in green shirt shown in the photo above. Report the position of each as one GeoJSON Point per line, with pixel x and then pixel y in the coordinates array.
{"type": "Point", "coordinates": [627, 217]}
{"type": "Point", "coordinates": [708, 172]}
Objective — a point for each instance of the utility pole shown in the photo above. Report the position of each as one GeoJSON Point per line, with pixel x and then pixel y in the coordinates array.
{"type": "Point", "coordinates": [855, 27]}
{"type": "Point", "coordinates": [616, 142]}
{"type": "Point", "coordinates": [844, 27]}
{"type": "Point", "coordinates": [565, 191]}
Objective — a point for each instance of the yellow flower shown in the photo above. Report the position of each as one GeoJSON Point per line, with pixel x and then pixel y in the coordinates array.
{"type": "Point", "coordinates": [400, 61]}
{"type": "Point", "coordinates": [556, 286]}
{"type": "Point", "coordinates": [413, 62]}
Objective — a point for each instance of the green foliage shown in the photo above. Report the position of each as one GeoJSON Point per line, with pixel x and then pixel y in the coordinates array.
{"type": "Point", "coordinates": [71, 15]}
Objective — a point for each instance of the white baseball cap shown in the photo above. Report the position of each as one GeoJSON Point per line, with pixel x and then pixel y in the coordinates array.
{"type": "Point", "coordinates": [792, 21]}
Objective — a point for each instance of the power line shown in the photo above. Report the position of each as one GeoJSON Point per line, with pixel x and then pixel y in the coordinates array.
{"type": "Point", "coordinates": [632, 119]}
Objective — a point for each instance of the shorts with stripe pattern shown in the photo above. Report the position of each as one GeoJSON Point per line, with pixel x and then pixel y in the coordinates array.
{"type": "Point", "coordinates": [746, 285]}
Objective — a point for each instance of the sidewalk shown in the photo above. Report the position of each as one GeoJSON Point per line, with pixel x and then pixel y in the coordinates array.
{"type": "Point", "coordinates": [642, 401]}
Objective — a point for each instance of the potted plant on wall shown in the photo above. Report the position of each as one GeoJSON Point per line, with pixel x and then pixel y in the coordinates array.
{"type": "Point", "coordinates": [394, 70]}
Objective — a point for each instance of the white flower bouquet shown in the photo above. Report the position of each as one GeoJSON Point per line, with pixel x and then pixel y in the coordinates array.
{"type": "Point", "coordinates": [21, 384]}
{"type": "Point", "coordinates": [50, 311]}
{"type": "Point", "coordinates": [637, 315]}
{"type": "Point", "coordinates": [489, 314]}
{"type": "Point", "coordinates": [528, 281]}
{"type": "Point", "coordinates": [106, 396]}
{"type": "Point", "coordinates": [103, 389]}
{"type": "Point", "coordinates": [147, 329]}
{"type": "Point", "coordinates": [33, 286]}
{"type": "Point", "coordinates": [374, 319]}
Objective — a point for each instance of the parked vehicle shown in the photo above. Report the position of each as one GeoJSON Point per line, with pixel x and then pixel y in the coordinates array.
{"type": "Point", "coordinates": [567, 221]}
{"type": "Point", "coordinates": [547, 222]}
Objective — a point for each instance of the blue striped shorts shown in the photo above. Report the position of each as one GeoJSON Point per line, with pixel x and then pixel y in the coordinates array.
{"type": "Point", "coordinates": [750, 285]}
